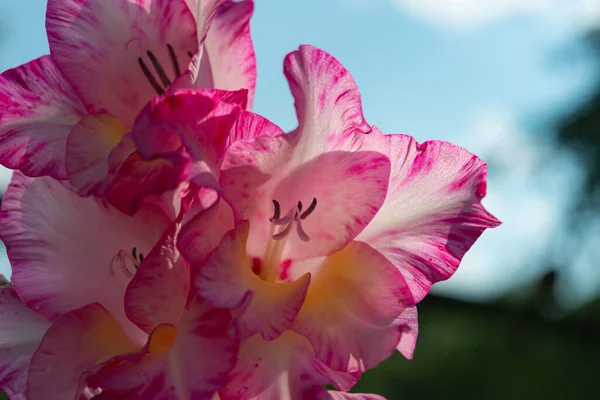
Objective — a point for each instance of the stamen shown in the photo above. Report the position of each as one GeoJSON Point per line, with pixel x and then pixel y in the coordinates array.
{"type": "Point", "coordinates": [277, 213]}
{"type": "Point", "coordinates": [190, 54]}
{"type": "Point", "coordinates": [159, 69]}
{"type": "Point", "coordinates": [310, 209]}
{"type": "Point", "coordinates": [134, 253]}
{"type": "Point", "coordinates": [121, 259]}
{"type": "Point", "coordinates": [299, 206]}
{"type": "Point", "coordinates": [174, 60]}
{"type": "Point", "coordinates": [141, 258]}
{"type": "Point", "coordinates": [150, 78]}
{"type": "Point", "coordinates": [284, 232]}
{"type": "Point", "coordinates": [301, 233]}
{"type": "Point", "coordinates": [289, 217]}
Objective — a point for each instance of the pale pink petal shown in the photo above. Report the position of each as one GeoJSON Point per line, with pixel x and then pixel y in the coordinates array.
{"type": "Point", "coordinates": [137, 180]}
{"type": "Point", "coordinates": [67, 251]}
{"type": "Point", "coordinates": [228, 60]}
{"type": "Point", "coordinates": [227, 280]}
{"type": "Point", "coordinates": [199, 119]}
{"type": "Point", "coordinates": [351, 308]}
{"type": "Point", "coordinates": [285, 368]}
{"type": "Point", "coordinates": [180, 137]}
{"type": "Point", "coordinates": [159, 290]}
{"type": "Point", "coordinates": [204, 12]}
{"type": "Point", "coordinates": [432, 214]}
{"type": "Point", "coordinates": [98, 45]}
{"type": "Point", "coordinates": [177, 364]}
{"type": "Point", "coordinates": [21, 330]}
{"type": "Point", "coordinates": [203, 232]}
{"type": "Point", "coordinates": [77, 344]}
{"type": "Point", "coordinates": [38, 111]}
{"type": "Point", "coordinates": [89, 146]}
{"type": "Point", "coordinates": [349, 188]}
{"type": "Point", "coordinates": [408, 341]}
{"type": "Point", "coordinates": [327, 101]}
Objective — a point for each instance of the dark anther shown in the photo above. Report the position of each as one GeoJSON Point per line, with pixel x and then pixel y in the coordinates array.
{"type": "Point", "coordinates": [159, 69]}
{"type": "Point", "coordinates": [310, 209]}
{"type": "Point", "coordinates": [150, 78]}
{"type": "Point", "coordinates": [299, 206]}
{"type": "Point", "coordinates": [190, 54]}
{"type": "Point", "coordinates": [134, 253]}
{"type": "Point", "coordinates": [141, 257]}
{"type": "Point", "coordinates": [277, 213]}
{"type": "Point", "coordinates": [174, 60]}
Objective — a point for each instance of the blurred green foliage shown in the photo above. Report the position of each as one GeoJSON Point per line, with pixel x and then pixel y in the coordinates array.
{"type": "Point", "coordinates": [579, 131]}
{"type": "Point", "coordinates": [491, 351]}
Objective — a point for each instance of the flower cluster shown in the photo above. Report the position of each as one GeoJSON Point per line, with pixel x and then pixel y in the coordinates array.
{"type": "Point", "coordinates": [168, 243]}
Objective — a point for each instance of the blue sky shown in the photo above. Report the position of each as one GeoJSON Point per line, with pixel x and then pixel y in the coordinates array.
{"type": "Point", "coordinates": [486, 74]}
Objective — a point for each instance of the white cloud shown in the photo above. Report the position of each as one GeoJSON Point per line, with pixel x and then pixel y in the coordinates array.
{"type": "Point", "coordinates": [470, 14]}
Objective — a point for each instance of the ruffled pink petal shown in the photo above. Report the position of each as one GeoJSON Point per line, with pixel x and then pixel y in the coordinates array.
{"type": "Point", "coordinates": [21, 330]}
{"type": "Point", "coordinates": [285, 368]}
{"type": "Point", "coordinates": [190, 362]}
{"type": "Point", "coordinates": [351, 308]}
{"type": "Point", "coordinates": [432, 214]}
{"type": "Point", "coordinates": [74, 347]}
{"type": "Point", "coordinates": [204, 12]}
{"type": "Point", "coordinates": [198, 119]}
{"type": "Point", "coordinates": [98, 47]}
{"type": "Point", "coordinates": [159, 290]}
{"type": "Point", "coordinates": [227, 280]}
{"type": "Point", "coordinates": [202, 233]}
{"type": "Point", "coordinates": [67, 251]}
{"type": "Point", "coordinates": [408, 341]}
{"type": "Point", "coordinates": [38, 111]}
{"type": "Point", "coordinates": [228, 60]}
{"type": "Point", "coordinates": [327, 101]}
{"type": "Point", "coordinates": [89, 147]}
{"type": "Point", "coordinates": [180, 137]}
{"type": "Point", "coordinates": [349, 189]}
{"type": "Point", "coordinates": [137, 179]}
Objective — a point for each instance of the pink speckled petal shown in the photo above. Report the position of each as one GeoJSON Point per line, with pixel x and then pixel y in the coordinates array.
{"type": "Point", "coordinates": [204, 12]}
{"type": "Point", "coordinates": [285, 368]}
{"type": "Point", "coordinates": [89, 147]}
{"type": "Point", "coordinates": [159, 290]}
{"type": "Point", "coordinates": [432, 214]}
{"type": "Point", "coordinates": [227, 280]}
{"type": "Point", "coordinates": [228, 60]}
{"type": "Point", "coordinates": [67, 251]}
{"type": "Point", "coordinates": [75, 346]}
{"type": "Point", "coordinates": [180, 137]}
{"type": "Point", "coordinates": [137, 179]}
{"type": "Point", "coordinates": [189, 362]}
{"type": "Point", "coordinates": [327, 99]}
{"type": "Point", "coordinates": [97, 46]}
{"type": "Point", "coordinates": [409, 320]}
{"type": "Point", "coordinates": [202, 233]}
{"type": "Point", "coordinates": [21, 330]}
{"type": "Point", "coordinates": [38, 111]}
{"type": "Point", "coordinates": [352, 308]}
{"type": "Point", "coordinates": [200, 120]}
{"type": "Point", "coordinates": [349, 189]}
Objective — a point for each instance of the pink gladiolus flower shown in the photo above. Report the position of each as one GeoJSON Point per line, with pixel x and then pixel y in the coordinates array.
{"type": "Point", "coordinates": [265, 265]}
{"type": "Point", "coordinates": [66, 115]}
{"type": "Point", "coordinates": [122, 322]}
{"type": "Point", "coordinates": [337, 231]}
